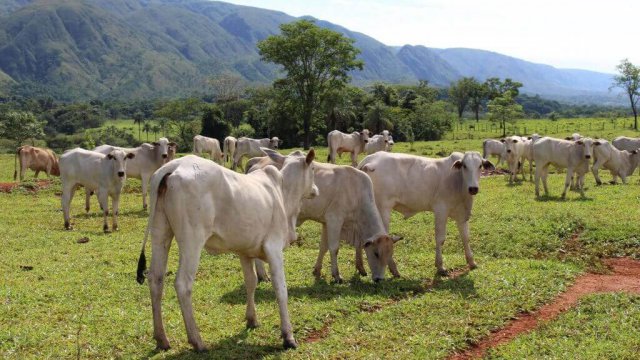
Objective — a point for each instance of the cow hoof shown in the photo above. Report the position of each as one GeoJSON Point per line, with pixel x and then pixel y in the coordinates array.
{"type": "Point", "coordinates": [289, 344]}
{"type": "Point", "coordinates": [473, 266]}
{"type": "Point", "coordinates": [106, 229]}
{"type": "Point", "coordinates": [144, 207]}
{"type": "Point", "coordinates": [338, 280]}
{"type": "Point", "coordinates": [67, 226]}
{"type": "Point", "coordinates": [317, 273]}
{"type": "Point", "coordinates": [115, 227]}
{"type": "Point", "coordinates": [163, 346]}
{"type": "Point", "coordinates": [252, 324]}
{"type": "Point", "coordinates": [443, 272]}
{"type": "Point", "coordinates": [198, 347]}
{"type": "Point", "coordinates": [362, 273]}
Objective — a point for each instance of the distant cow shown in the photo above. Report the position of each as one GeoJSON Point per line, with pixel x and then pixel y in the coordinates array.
{"type": "Point", "coordinates": [208, 145]}
{"type": "Point", "coordinates": [619, 162]}
{"type": "Point", "coordinates": [491, 147]}
{"type": "Point", "coordinates": [207, 206]}
{"type": "Point", "coordinates": [410, 184]}
{"type": "Point", "coordinates": [515, 149]}
{"type": "Point", "coordinates": [346, 209]}
{"type": "Point", "coordinates": [229, 149]}
{"type": "Point", "coordinates": [354, 143]}
{"type": "Point", "coordinates": [528, 152]}
{"type": "Point", "coordinates": [572, 155]}
{"type": "Point", "coordinates": [391, 143]}
{"type": "Point", "coordinates": [104, 174]}
{"type": "Point", "coordinates": [574, 137]}
{"type": "Point", "coordinates": [36, 159]}
{"type": "Point", "coordinates": [148, 158]}
{"type": "Point", "coordinates": [376, 143]}
{"type": "Point", "coordinates": [251, 148]}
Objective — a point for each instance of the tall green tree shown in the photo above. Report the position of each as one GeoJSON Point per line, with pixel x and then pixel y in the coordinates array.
{"type": "Point", "coordinates": [377, 118]}
{"type": "Point", "coordinates": [460, 93]}
{"type": "Point", "coordinates": [504, 110]}
{"type": "Point", "coordinates": [628, 79]}
{"type": "Point", "coordinates": [138, 118]}
{"type": "Point", "coordinates": [146, 128]}
{"type": "Point", "coordinates": [315, 60]}
{"type": "Point", "coordinates": [182, 115]}
{"type": "Point", "coordinates": [20, 126]}
{"type": "Point", "coordinates": [213, 124]}
{"type": "Point", "coordinates": [497, 88]}
{"type": "Point", "coordinates": [477, 97]}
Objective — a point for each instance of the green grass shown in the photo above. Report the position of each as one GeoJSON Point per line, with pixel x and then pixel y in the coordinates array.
{"type": "Point", "coordinates": [84, 298]}
{"type": "Point", "coordinates": [603, 326]}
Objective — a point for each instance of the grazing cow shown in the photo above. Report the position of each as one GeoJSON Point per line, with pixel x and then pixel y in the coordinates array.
{"type": "Point", "coordinates": [626, 143]}
{"type": "Point", "coordinates": [572, 155]}
{"type": "Point", "coordinates": [251, 148]}
{"type": "Point", "coordinates": [376, 143]}
{"type": "Point", "coordinates": [410, 184]}
{"type": "Point", "coordinates": [205, 205]}
{"type": "Point", "coordinates": [346, 209]}
{"type": "Point", "coordinates": [208, 145]}
{"type": "Point", "coordinates": [528, 152]}
{"type": "Point", "coordinates": [354, 143]}
{"type": "Point", "coordinates": [619, 162]}
{"type": "Point", "coordinates": [491, 147]}
{"type": "Point", "coordinates": [104, 174]}
{"type": "Point", "coordinates": [574, 137]}
{"type": "Point", "coordinates": [229, 149]}
{"type": "Point", "coordinates": [36, 159]}
{"type": "Point", "coordinates": [515, 149]}
{"type": "Point", "coordinates": [148, 158]}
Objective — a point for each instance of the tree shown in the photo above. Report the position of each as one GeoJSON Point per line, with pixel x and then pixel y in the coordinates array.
{"type": "Point", "coordinates": [477, 97]}
{"type": "Point", "coordinates": [182, 115]}
{"type": "Point", "coordinates": [504, 109]}
{"type": "Point", "coordinates": [138, 118]}
{"type": "Point", "coordinates": [460, 93]}
{"type": "Point", "coordinates": [227, 87]}
{"type": "Point", "coordinates": [213, 124]}
{"type": "Point", "coordinates": [497, 88]}
{"type": "Point", "coordinates": [377, 118]}
{"type": "Point", "coordinates": [155, 130]}
{"type": "Point", "coordinates": [431, 120]}
{"type": "Point", "coordinates": [20, 126]}
{"type": "Point", "coordinates": [146, 128]}
{"type": "Point", "coordinates": [315, 59]}
{"type": "Point", "coordinates": [628, 79]}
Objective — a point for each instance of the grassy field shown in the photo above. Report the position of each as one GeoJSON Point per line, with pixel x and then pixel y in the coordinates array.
{"type": "Point", "coordinates": [81, 300]}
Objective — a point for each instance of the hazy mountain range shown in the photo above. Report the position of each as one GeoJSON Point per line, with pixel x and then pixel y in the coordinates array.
{"type": "Point", "coordinates": [124, 49]}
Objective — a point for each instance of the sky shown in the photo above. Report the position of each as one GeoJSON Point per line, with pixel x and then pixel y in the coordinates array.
{"type": "Point", "coordinates": [578, 34]}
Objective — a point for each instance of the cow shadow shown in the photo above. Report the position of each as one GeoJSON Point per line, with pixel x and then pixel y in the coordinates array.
{"type": "Point", "coordinates": [460, 284]}
{"type": "Point", "coordinates": [557, 198]}
{"type": "Point", "coordinates": [233, 347]}
{"type": "Point", "coordinates": [97, 213]}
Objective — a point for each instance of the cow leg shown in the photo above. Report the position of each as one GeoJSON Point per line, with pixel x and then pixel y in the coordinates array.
{"type": "Point", "coordinates": [580, 183]}
{"type": "Point", "coordinates": [463, 229]}
{"type": "Point", "coordinates": [161, 236]}
{"type": "Point", "coordinates": [36, 175]}
{"type": "Point", "coordinates": [250, 283]}
{"type": "Point", "coordinates": [332, 231]}
{"type": "Point", "coordinates": [145, 185]}
{"type": "Point", "coordinates": [441, 232]}
{"type": "Point", "coordinates": [87, 200]}
{"type": "Point", "coordinates": [115, 203]}
{"type": "Point", "coordinates": [537, 179]}
{"type": "Point", "coordinates": [274, 257]}
{"type": "Point", "coordinates": [567, 181]}
{"type": "Point", "coordinates": [103, 199]}
{"type": "Point", "coordinates": [594, 170]}
{"type": "Point", "coordinates": [530, 170]}
{"type": "Point", "coordinates": [354, 159]}
{"type": "Point", "coordinates": [67, 195]}
{"type": "Point", "coordinates": [190, 249]}
{"type": "Point", "coordinates": [260, 271]}
{"type": "Point", "coordinates": [317, 269]}
{"type": "Point", "coordinates": [359, 262]}
{"type": "Point", "coordinates": [522, 169]}
{"type": "Point", "coordinates": [615, 179]}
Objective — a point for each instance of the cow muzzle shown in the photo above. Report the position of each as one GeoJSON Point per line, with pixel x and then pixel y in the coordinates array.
{"type": "Point", "coordinates": [587, 156]}
{"type": "Point", "coordinates": [473, 190]}
{"type": "Point", "coordinates": [508, 151]}
{"type": "Point", "coordinates": [164, 156]}
{"type": "Point", "coordinates": [366, 141]}
{"type": "Point", "coordinates": [120, 173]}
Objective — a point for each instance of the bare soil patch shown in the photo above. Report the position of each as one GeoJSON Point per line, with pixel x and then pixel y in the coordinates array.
{"type": "Point", "coordinates": [7, 187]}
{"type": "Point", "coordinates": [624, 277]}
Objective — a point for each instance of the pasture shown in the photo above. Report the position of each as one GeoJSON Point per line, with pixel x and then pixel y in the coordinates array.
{"type": "Point", "coordinates": [60, 298]}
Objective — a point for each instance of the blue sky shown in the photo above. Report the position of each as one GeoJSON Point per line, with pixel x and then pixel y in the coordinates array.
{"type": "Point", "coordinates": [587, 34]}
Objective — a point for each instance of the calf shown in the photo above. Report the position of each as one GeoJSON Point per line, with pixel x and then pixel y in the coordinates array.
{"type": "Point", "coordinates": [410, 184]}
{"type": "Point", "coordinates": [36, 159]}
{"type": "Point", "coordinates": [346, 209]}
{"type": "Point", "coordinates": [491, 147]}
{"type": "Point", "coordinates": [375, 144]}
{"type": "Point", "coordinates": [229, 149]}
{"type": "Point", "coordinates": [104, 174]}
{"type": "Point", "coordinates": [205, 205]}
{"type": "Point", "coordinates": [354, 143]}
{"type": "Point", "coordinates": [515, 149]}
{"type": "Point", "coordinates": [251, 148]}
{"type": "Point", "coordinates": [572, 155]}
{"type": "Point", "coordinates": [148, 158]}
{"type": "Point", "coordinates": [208, 145]}
{"type": "Point", "coordinates": [619, 162]}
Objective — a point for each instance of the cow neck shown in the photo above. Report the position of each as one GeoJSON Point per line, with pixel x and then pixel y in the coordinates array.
{"type": "Point", "coordinates": [291, 193]}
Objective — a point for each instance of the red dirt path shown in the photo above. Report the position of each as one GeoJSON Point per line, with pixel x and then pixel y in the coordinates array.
{"type": "Point", "coordinates": [7, 187]}
{"type": "Point", "coordinates": [625, 277]}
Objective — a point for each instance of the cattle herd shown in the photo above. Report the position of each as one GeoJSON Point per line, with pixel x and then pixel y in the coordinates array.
{"type": "Point", "coordinates": [205, 205]}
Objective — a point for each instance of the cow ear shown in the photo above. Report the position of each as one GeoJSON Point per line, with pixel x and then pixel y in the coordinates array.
{"type": "Point", "coordinates": [155, 143]}
{"type": "Point", "coordinates": [502, 140]}
{"type": "Point", "coordinates": [273, 155]}
{"type": "Point", "coordinates": [488, 165]}
{"type": "Point", "coordinates": [580, 142]}
{"type": "Point", "coordinates": [597, 143]}
{"type": "Point", "coordinates": [457, 164]}
{"type": "Point", "coordinates": [396, 238]}
{"type": "Point", "coordinates": [172, 144]}
{"type": "Point", "coordinates": [131, 155]}
{"type": "Point", "coordinates": [110, 157]}
{"type": "Point", "coordinates": [367, 244]}
{"type": "Point", "coordinates": [529, 138]}
{"type": "Point", "coordinates": [634, 151]}
{"type": "Point", "coordinates": [568, 138]}
{"type": "Point", "coordinates": [515, 141]}
{"type": "Point", "coordinates": [310, 156]}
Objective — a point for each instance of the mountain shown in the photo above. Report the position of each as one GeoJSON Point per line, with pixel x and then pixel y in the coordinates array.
{"type": "Point", "coordinates": [124, 49]}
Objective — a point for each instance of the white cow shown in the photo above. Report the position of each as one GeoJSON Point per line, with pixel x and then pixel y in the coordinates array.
{"type": "Point", "coordinates": [205, 205]}
{"type": "Point", "coordinates": [376, 143]}
{"type": "Point", "coordinates": [491, 147]}
{"type": "Point", "coordinates": [391, 143]}
{"type": "Point", "coordinates": [346, 209]}
{"type": "Point", "coordinates": [410, 184]}
{"type": "Point", "coordinates": [354, 143]}
{"type": "Point", "coordinates": [148, 158]}
{"type": "Point", "coordinates": [208, 145]}
{"type": "Point", "coordinates": [574, 137]}
{"type": "Point", "coordinates": [515, 149]}
{"type": "Point", "coordinates": [229, 149]}
{"type": "Point", "coordinates": [251, 148]}
{"type": "Point", "coordinates": [626, 143]}
{"type": "Point", "coordinates": [104, 174]}
{"type": "Point", "coordinates": [572, 155]}
{"type": "Point", "coordinates": [528, 152]}
{"type": "Point", "coordinates": [619, 162]}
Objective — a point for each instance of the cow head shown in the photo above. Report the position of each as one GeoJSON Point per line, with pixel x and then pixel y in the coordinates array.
{"type": "Point", "coordinates": [385, 135]}
{"type": "Point", "coordinates": [390, 144]}
{"type": "Point", "coordinates": [379, 254]}
{"type": "Point", "coordinates": [165, 148]}
{"type": "Point", "coordinates": [305, 162]}
{"type": "Point", "coordinates": [585, 148]}
{"type": "Point", "coordinates": [119, 159]}
{"type": "Point", "coordinates": [470, 166]}
{"type": "Point", "coordinates": [274, 142]}
{"type": "Point", "coordinates": [364, 136]}
{"type": "Point", "coordinates": [510, 143]}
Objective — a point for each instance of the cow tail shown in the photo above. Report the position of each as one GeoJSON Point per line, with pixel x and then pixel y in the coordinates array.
{"type": "Point", "coordinates": [329, 148]}
{"type": "Point", "coordinates": [15, 164]}
{"type": "Point", "coordinates": [142, 261]}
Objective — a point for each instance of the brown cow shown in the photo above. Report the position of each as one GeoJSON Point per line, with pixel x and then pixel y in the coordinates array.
{"type": "Point", "coordinates": [37, 159]}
